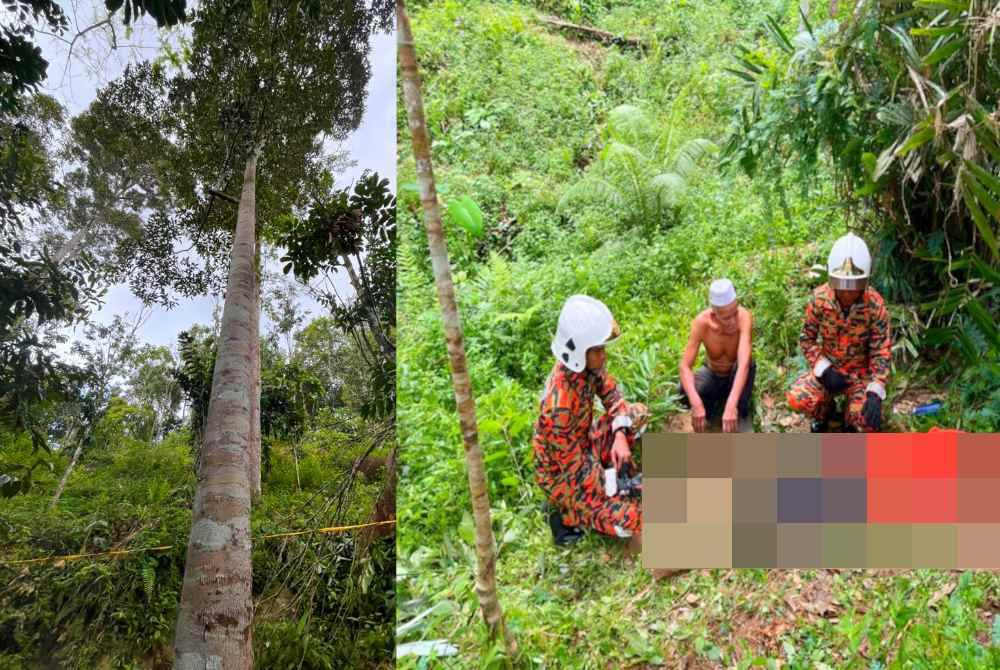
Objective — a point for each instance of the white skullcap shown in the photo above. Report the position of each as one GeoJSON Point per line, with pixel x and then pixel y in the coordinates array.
{"type": "Point", "coordinates": [721, 293]}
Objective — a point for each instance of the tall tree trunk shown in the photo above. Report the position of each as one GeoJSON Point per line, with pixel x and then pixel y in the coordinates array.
{"type": "Point", "coordinates": [216, 610]}
{"type": "Point", "coordinates": [255, 445]}
{"type": "Point", "coordinates": [486, 586]}
{"type": "Point", "coordinates": [69, 468]}
{"type": "Point", "coordinates": [387, 348]}
{"type": "Point", "coordinates": [385, 506]}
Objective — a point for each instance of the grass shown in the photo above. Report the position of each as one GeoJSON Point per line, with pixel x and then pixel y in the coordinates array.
{"type": "Point", "coordinates": [590, 607]}
{"type": "Point", "coordinates": [517, 113]}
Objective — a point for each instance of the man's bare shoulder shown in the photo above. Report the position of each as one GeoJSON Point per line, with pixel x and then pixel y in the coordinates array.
{"type": "Point", "coordinates": [702, 321]}
{"type": "Point", "coordinates": [746, 316]}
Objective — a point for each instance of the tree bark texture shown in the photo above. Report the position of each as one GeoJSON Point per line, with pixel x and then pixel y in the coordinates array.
{"type": "Point", "coordinates": [385, 505]}
{"type": "Point", "coordinates": [216, 609]}
{"type": "Point", "coordinates": [69, 468]}
{"type": "Point", "coordinates": [255, 437]}
{"type": "Point", "coordinates": [388, 349]}
{"type": "Point", "coordinates": [486, 586]}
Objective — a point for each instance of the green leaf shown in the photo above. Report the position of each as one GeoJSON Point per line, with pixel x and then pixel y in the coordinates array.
{"type": "Point", "coordinates": [988, 142]}
{"type": "Point", "coordinates": [984, 321]}
{"type": "Point", "coordinates": [869, 160]}
{"type": "Point", "coordinates": [981, 223]}
{"type": "Point", "coordinates": [742, 75]}
{"type": "Point", "coordinates": [937, 31]}
{"type": "Point", "coordinates": [982, 195]}
{"type": "Point", "coordinates": [752, 67]}
{"type": "Point", "coordinates": [982, 175]}
{"type": "Point", "coordinates": [805, 21]}
{"type": "Point", "coordinates": [912, 57]}
{"type": "Point", "coordinates": [916, 140]}
{"type": "Point", "coordinates": [995, 639]}
{"type": "Point", "coordinates": [945, 50]}
{"type": "Point", "coordinates": [952, 5]}
{"type": "Point", "coordinates": [466, 213]}
{"type": "Point", "coordinates": [467, 529]}
{"type": "Point", "coordinates": [778, 34]}
{"type": "Point", "coordinates": [985, 271]}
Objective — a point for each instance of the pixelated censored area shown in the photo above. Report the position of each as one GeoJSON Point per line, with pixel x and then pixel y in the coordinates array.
{"type": "Point", "coordinates": [890, 500]}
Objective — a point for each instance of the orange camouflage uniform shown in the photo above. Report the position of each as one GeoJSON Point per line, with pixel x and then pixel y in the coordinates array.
{"type": "Point", "coordinates": [858, 344]}
{"type": "Point", "coordinates": [572, 450]}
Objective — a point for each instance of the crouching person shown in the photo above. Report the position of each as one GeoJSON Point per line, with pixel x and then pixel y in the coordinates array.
{"type": "Point", "coordinates": [847, 342]}
{"type": "Point", "coordinates": [723, 387]}
{"type": "Point", "coordinates": [572, 448]}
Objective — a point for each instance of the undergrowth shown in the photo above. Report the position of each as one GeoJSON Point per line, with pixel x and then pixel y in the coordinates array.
{"type": "Point", "coordinates": [320, 603]}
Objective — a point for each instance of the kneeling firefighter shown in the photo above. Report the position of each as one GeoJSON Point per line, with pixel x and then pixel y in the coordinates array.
{"type": "Point", "coordinates": [572, 449]}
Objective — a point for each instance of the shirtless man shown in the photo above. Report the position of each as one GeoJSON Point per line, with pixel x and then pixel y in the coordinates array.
{"type": "Point", "coordinates": [724, 383]}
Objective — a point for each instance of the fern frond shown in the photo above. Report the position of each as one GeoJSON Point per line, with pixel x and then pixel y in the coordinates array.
{"type": "Point", "coordinates": [148, 580]}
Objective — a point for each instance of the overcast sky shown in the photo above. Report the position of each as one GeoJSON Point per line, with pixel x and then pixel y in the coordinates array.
{"type": "Point", "coordinates": [74, 80]}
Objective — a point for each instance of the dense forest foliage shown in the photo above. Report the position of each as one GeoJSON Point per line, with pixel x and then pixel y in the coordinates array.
{"type": "Point", "coordinates": [732, 139]}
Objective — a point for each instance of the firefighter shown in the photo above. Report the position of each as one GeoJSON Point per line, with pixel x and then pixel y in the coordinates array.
{"type": "Point", "coordinates": [723, 386]}
{"type": "Point", "coordinates": [846, 341]}
{"type": "Point", "coordinates": [572, 447]}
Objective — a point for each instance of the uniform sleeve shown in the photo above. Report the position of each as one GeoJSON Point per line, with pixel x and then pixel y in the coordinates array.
{"type": "Point", "coordinates": [880, 350]}
{"type": "Point", "coordinates": [614, 403]}
{"type": "Point", "coordinates": [809, 338]}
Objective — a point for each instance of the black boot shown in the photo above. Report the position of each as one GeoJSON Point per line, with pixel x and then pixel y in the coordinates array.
{"type": "Point", "coordinates": [562, 534]}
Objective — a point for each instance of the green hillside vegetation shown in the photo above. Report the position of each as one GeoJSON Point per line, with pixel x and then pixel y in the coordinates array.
{"type": "Point", "coordinates": [636, 176]}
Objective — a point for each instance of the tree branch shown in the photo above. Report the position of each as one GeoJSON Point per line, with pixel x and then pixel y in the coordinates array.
{"type": "Point", "coordinates": [592, 33]}
{"type": "Point", "coordinates": [224, 196]}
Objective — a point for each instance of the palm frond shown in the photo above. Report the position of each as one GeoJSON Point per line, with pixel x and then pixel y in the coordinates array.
{"type": "Point", "coordinates": [629, 124]}
{"type": "Point", "coordinates": [897, 114]}
{"type": "Point", "coordinates": [623, 154]}
{"type": "Point", "coordinates": [667, 188]}
{"type": "Point", "coordinates": [690, 154]}
{"type": "Point", "coordinates": [591, 190]}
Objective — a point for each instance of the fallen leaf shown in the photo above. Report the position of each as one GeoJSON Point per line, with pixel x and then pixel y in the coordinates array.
{"type": "Point", "coordinates": [941, 593]}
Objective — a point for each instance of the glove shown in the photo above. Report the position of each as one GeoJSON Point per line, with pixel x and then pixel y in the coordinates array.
{"type": "Point", "coordinates": [833, 380]}
{"type": "Point", "coordinates": [872, 411]}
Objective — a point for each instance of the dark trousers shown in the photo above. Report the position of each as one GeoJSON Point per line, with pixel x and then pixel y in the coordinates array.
{"type": "Point", "coordinates": [714, 391]}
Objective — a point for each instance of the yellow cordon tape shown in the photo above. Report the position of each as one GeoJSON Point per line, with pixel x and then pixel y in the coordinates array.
{"type": "Point", "coordinates": [120, 552]}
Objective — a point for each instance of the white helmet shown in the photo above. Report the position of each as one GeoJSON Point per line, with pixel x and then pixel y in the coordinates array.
{"type": "Point", "coordinates": [584, 322]}
{"type": "Point", "coordinates": [849, 264]}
